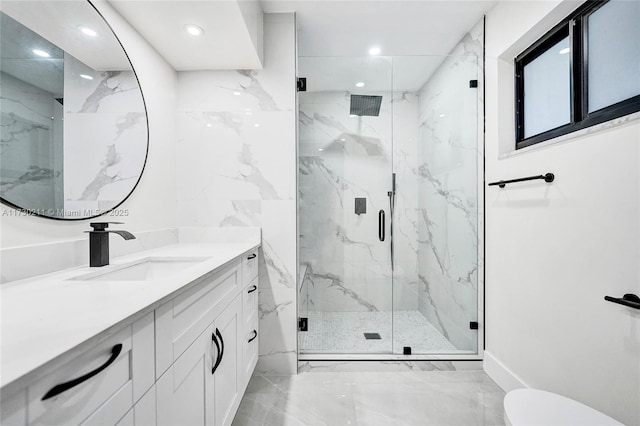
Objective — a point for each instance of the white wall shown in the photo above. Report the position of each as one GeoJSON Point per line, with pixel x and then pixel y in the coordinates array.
{"type": "Point", "coordinates": [553, 251]}
{"type": "Point", "coordinates": [153, 203]}
{"type": "Point", "coordinates": [237, 167]}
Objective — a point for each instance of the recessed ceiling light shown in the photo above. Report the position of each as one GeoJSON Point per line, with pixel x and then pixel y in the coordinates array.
{"type": "Point", "coordinates": [209, 125]}
{"type": "Point", "coordinates": [86, 77]}
{"type": "Point", "coordinates": [343, 140]}
{"type": "Point", "coordinates": [256, 125]}
{"type": "Point", "coordinates": [564, 51]}
{"type": "Point", "coordinates": [374, 51]}
{"type": "Point", "coordinates": [442, 115]}
{"type": "Point", "coordinates": [41, 53]}
{"type": "Point", "coordinates": [360, 84]}
{"type": "Point", "coordinates": [320, 149]}
{"type": "Point", "coordinates": [194, 30]}
{"type": "Point", "coordinates": [87, 31]}
{"type": "Point", "coordinates": [237, 93]}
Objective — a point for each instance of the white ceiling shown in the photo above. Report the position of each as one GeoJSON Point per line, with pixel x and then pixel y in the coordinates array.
{"type": "Point", "coordinates": [58, 23]}
{"type": "Point", "coordinates": [379, 73]}
{"type": "Point", "coordinates": [227, 42]}
{"type": "Point", "coordinates": [325, 28]}
{"type": "Point", "coordinates": [398, 27]}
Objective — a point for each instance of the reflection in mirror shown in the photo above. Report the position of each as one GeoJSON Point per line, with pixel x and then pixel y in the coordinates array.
{"type": "Point", "coordinates": [73, 121]}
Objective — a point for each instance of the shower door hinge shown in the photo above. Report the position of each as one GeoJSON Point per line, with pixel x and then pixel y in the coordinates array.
{"type": "Point", "coordinates": [473, 83]}
{"type": "Point", "coordinates": [302, 84]}
{"type": "Point", "coordinates": [303, 324]}
{"type": "Point", "coordinates": [473, 325]}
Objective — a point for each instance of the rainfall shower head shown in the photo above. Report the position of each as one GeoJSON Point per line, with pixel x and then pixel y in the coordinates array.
{"type": "Point", "coordinates": [365, 105]}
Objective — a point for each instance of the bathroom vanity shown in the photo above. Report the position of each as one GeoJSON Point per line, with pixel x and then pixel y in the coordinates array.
{"type": "Point", "coordinates": [166, 336]}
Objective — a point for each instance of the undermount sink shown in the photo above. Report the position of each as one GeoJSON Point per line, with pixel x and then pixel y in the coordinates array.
{"type": "Point", "coordinates": [142, 270]}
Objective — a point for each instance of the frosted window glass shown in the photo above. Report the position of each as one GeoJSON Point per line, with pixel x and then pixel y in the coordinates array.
{"type": "Point", "coordinates": [547, 91]}
{"type": "Point", "coordinates": [614, 53]}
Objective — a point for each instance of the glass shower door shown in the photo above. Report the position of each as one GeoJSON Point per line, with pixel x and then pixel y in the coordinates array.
{"type": "Point", "coordinates": [436, 139]}
{"type": "Point", "coordinates": [345, 166]}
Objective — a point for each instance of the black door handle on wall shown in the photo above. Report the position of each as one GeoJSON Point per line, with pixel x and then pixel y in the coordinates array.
{"type": "Point", "coordinates": [220, 348]}
{"type": "Point", "coordinates": [58, 389]}
{"type": "Point", "coordinates": [252, 289]}
{"type": "Point", "coordinates": [255, 334]}
{"type": "Point", "coordinates": [381, 224]}
{"type": "Point", "coordinates": [251, 256]}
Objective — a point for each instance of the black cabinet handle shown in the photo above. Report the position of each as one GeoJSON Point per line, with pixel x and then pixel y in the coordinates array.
{"type": "Point", "coordinates": [217, 361]}
{"type": "Point", "coordinates": [220, 350]}
{"type": "Point", "coordinates": [251, 256]}
{"type": "Point", "coordinates": [58, 389]}
{"type": "Point", "coordinates": [381, 222]}
{"type": "Point", "coordinates": [252, 289]}
{"type": "Point", "coordinates": [629, 299]}
{"type": "Point", "coordinates": [255, 334]}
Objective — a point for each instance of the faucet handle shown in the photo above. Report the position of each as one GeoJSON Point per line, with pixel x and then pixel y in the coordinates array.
{"type": "Point", "coordinates": [101, 226]}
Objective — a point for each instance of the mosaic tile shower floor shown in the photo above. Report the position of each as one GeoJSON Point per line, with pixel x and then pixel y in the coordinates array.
{"type": "Point", "coordinates": [335, 332]}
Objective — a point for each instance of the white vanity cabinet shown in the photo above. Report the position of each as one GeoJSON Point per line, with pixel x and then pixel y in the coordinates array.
{"type": "Point", "coordinates": [98, 386]}
{"type": "Point", "coordinates": [191, 392]}
{"type": "Point", "coordinates": [187, 362]}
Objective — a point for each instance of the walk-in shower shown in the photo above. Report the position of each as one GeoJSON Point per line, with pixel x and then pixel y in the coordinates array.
{"type": "Point", "coordinates": [390, 190]}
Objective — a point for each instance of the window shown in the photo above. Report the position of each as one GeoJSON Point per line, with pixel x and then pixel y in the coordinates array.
{"type": "Point", "coordinates": [583, 72]}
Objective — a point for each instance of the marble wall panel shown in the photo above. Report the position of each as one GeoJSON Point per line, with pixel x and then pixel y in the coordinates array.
{"type": "Point", "coordinates": [105, 127]}
{"type": "Point", "coordinates": [344, 157]}
{"type": "Point", "coordinates": [237, 168]}
{"type": "Point", "coordinates": [449, 196]}
{"type": "Point", "coordinates": [31, 155]}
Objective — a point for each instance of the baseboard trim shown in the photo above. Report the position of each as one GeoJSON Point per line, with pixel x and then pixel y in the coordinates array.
{"type": "Point", "coordinates": [501, 374]}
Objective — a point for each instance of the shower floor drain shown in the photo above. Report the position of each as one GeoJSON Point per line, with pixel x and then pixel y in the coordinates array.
{"type": "Point", "coordinates": [372, 336]}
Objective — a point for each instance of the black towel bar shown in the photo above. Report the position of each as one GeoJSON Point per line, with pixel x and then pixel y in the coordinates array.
{"type": "Point", "coordinates": [629, 299]}
{"type": "Point", "coordinates": [547, 177]}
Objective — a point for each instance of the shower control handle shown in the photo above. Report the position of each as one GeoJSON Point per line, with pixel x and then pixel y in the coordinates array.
{"type": "Point", "coordinates": [381, 223]}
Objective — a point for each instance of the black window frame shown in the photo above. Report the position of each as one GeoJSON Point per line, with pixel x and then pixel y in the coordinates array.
{"type": "Point", "coordinates": [575, 26]}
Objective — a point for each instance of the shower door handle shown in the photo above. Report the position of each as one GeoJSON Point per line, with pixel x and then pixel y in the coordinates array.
{"type": "Point", "coordinates": [381, 221]}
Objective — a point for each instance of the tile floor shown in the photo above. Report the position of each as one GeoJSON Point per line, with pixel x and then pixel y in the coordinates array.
{"type": "Point", "coordinates": [328, 333]}
{"type": "Point", "coordinates": [373, 398]}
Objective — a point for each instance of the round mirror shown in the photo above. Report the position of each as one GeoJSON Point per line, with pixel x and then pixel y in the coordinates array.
{"type": "Point", "coordinates": [73, 119]}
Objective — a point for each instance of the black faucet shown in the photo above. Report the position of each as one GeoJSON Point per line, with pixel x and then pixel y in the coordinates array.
{"type": "Point", "coordinates": [99, 242]}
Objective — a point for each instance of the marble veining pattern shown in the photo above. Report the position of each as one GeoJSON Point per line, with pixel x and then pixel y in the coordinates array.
{"type": "Point", "coordinates": [373, 398]}
{"type": "Point", "coordinates": [432, 140]}
{"type": "Point", "coordinates": [236, 164]}
{"type": "Point", "coordinates": [105, 125]}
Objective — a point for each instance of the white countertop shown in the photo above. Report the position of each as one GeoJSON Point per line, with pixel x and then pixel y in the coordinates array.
{"type": "Point", "coordinates": [47, 316]}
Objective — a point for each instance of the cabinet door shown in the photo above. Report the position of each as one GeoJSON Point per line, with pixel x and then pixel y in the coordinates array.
{"type": "Point", "coordinates": [228, 376]}
{"type": "Point", "coordinates": [184, 393]}
{"type": "Point", "coordinates": [182, 319]}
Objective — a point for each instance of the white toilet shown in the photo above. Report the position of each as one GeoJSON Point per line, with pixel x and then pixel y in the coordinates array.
{"type": "Point", "coordinates": [536, 407]}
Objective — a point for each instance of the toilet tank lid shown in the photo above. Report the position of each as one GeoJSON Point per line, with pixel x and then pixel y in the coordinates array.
{"type": "Point", "coordinates": [538, 407]}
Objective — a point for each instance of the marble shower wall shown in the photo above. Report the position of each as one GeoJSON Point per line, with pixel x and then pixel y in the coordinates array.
{"type": "Point", "coordinates": [236, 162]}
{"type": "Point", "coordinates": [31, 154]}
{"type": "Point", "coordinates": [449, 173]}
{"type": "Point", "coordinates": [341, 158]}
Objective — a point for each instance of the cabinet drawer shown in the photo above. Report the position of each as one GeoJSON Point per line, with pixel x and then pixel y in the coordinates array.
{"type": "Point", "coordinates": [250, 351]}
{"type": "Point", "coordinates": [250, 304]}
{"type": "Point", "coordinates": [250, 266]}
{"type": "Point", "coordinates": [180, 321]}
{"type": "Point", "coordinates": [75, 404]}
